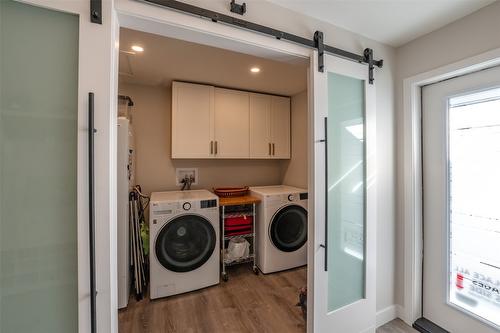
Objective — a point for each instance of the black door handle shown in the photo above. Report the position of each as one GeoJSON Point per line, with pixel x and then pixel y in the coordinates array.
{"type": "Point", "coordinates": [325, 246]}
{"type": "Point", "coordinates": [93, 291]}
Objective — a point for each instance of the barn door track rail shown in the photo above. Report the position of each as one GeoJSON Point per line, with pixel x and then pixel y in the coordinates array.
{"type": "Point", "coordinates": [315, 43]}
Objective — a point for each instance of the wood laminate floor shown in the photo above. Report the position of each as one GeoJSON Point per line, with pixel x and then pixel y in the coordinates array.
{"type": "Point", "coordinates": [246, 303]}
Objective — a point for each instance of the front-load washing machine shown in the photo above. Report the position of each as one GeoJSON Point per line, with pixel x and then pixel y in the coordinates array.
{"type": "Point", "coordinates": [184, 241]}
{"type": "Point", "coordinates": [281, 227]}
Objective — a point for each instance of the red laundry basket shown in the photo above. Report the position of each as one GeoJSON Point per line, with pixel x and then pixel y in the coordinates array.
{"type": "Point", "coordinates": [238, 225]}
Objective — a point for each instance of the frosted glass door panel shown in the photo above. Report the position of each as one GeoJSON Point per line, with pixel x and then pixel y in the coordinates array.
{"type": "Point", "coordinates": [38, 169]}
{"type": "Point", "coordinates": [474, 213]}
{"type": "Point", "coordinates": [346, 191]}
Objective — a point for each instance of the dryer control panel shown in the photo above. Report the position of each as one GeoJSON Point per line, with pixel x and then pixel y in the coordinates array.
{"type": "Point", "coordinates": [296, 196]}
{"type": "Point", "coordinates": [208, 203]}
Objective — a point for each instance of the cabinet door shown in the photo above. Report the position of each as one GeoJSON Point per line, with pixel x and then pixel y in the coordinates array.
{"type": "Point", "coordinates": [232, 124]}
{"type": "Point", "coordinates": [280, 127]}
{"type": "Point", "coordinates": [260, 126]}
{"type": "Point", "coordinates": [192, 120]}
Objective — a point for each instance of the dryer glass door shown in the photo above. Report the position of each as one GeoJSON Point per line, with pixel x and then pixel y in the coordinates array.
{"type": "Point", "coordinates": [288, 229]}
{"type": "Point", "coordinates": [185, 243]}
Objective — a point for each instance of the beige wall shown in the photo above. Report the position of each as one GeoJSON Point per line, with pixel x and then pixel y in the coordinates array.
{"type": "Point", "coordinates": [294, 171]}
{"type": "Point", "coordinates": [472, 35]}
{"type": "Point", "coordinates": [155, 170]}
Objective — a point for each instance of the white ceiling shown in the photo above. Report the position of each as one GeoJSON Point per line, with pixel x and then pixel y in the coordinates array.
{"type": "Point", "coordinates": [165, 59]}
{"type": "Point", "coordinates": [393, 22]}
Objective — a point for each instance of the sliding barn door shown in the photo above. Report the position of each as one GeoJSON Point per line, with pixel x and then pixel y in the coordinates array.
{"type": "Point", "coordinates": [344, 212]}
{"type": "Point", "coordinates": [49, 85]}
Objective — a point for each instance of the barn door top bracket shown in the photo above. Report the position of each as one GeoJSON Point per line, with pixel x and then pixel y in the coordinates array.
{"type": "Point", "coordinates": [96, 11]}
{"type": "Point", "coordinates": [318, 43]}
{"type": "Point", "coordinates": [368, 53]}
{"type": "Point", "coordinates": [237, 8]}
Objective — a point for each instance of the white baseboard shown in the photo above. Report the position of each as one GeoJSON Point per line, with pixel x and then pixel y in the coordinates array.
{"type": "Point", "coordinates": [389, 313]}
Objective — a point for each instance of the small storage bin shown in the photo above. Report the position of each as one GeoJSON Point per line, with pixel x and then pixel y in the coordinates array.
{"type": "Point", "coordinates": [238, 221]}
{"type": "Point", "coordinates": [238, 228]}
{"type": "Point", "coordinates": [238, 248]}
{"type": "Point", "coordinates": [238, 225]}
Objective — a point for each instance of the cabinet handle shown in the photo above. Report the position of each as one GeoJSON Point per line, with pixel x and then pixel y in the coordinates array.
{"type": "Point", "coordinates": [211, 147]}
{"type": "Point", "coordinates": [273, 149]}
{"type": "Point", "coordinates": [269, 148]}
{"type": "Point", "coordinates": [215, 147]}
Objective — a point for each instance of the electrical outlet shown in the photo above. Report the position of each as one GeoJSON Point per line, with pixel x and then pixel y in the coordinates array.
{"type": "Point", "coordinates": [181, 173]}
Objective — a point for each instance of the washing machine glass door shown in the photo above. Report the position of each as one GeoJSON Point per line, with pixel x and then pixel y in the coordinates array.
{"type": "Point", "coordinates": [185, 243]}
{"type": "Point", "coordinates": [288, 229]}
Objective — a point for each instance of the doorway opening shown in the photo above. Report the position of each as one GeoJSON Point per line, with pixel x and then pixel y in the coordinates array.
{"type": "Point", "coordinates": [213, 118]}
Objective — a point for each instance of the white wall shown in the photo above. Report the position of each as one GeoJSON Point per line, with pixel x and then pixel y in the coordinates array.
{"type": "Point", "coordinates": [469, 36]}
{"type": "Point", "coordinates": [280, 18]}
{"type": "Point", "coordinates": [294, 170]}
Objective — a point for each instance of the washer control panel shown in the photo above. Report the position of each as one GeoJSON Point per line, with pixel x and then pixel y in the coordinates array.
{"type": "Point", "coordinates": [183, 206]}
{"type": "Point", "coordinates": [186, 206]}
{"type": "Point", "coordinates": [291, 197]}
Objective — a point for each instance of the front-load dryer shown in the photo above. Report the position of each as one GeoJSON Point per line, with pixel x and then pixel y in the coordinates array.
{"type": "Point", "coordinates": [184, 242]}
{"type": "Point", "coordinates": [281, 227]}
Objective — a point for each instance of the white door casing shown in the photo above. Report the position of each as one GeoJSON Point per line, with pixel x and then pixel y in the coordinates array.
{"type": "Point", "coordinates": [412, 171]}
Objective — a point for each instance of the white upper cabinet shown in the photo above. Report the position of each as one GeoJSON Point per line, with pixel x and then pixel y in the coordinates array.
{"type": "Point", "coordinates": [210, 122]}
{"type": "Point", "coordinates": [260, 126]}
{"type": "Point", "coordinates": [192, 120]}
{"type": "Point", "coordinates": [280, 127]}
{"type": "Point", "coordinates": [231, 124]}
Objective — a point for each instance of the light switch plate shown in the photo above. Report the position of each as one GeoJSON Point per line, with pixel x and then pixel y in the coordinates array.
{"type": "Point", "coordinates": [180, 173]}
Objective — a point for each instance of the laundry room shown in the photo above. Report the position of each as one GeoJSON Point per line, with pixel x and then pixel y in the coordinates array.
{"type": "Point", "coordinates": [212, 187]}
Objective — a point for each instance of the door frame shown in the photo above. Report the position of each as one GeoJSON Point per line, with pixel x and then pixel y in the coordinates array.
{"type": "Point", "coordinates": [146, 17]}
{"type": "Point", "coordinates": [411, 207]}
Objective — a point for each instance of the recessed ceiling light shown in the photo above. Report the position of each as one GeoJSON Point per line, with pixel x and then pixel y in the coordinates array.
{"type": "Point", "coordinates": [137, 48]}
{"type": "Point", "coordinates": [255, 69]}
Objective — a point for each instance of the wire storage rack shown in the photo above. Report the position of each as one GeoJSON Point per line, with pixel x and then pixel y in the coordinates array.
{"type": "Point", "coordinates": [238, 218]}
